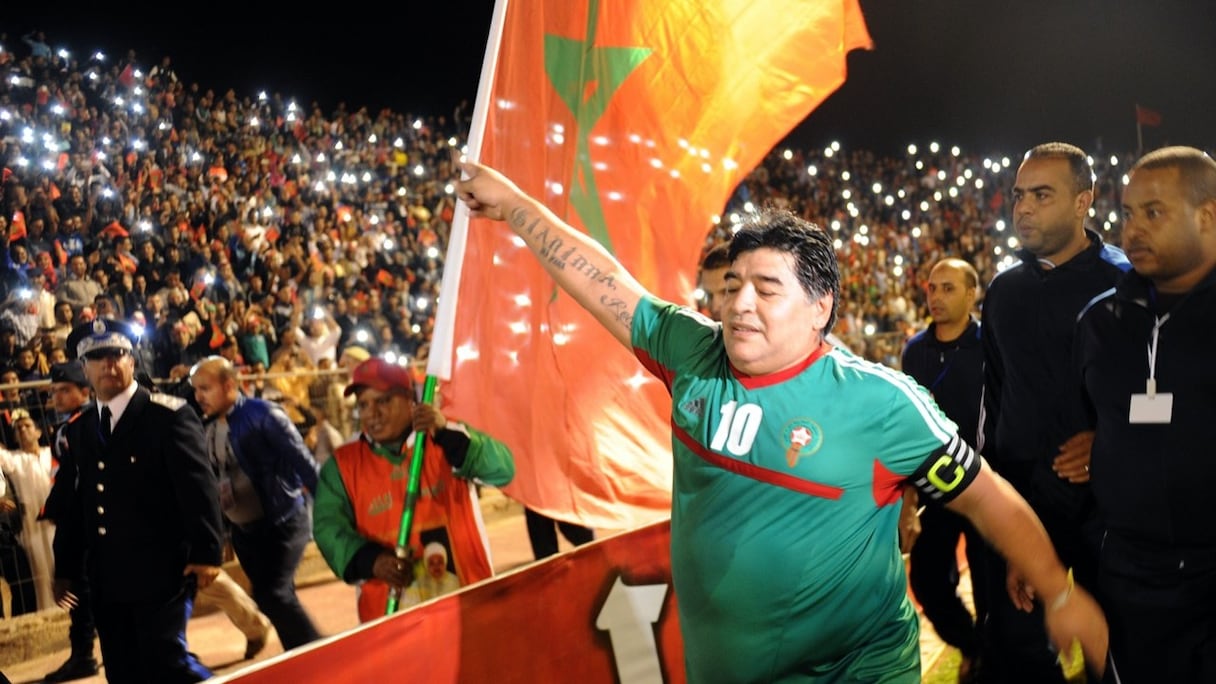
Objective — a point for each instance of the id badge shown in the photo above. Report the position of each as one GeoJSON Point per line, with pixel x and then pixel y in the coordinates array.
{"type": "Point", "coordinates": [1151, 408]}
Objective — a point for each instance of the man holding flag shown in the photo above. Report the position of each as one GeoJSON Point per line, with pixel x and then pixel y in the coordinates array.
{"type": "Point", "coordinates": [786, 490]}
{"type": "Point", "coordinates": [362, 489]}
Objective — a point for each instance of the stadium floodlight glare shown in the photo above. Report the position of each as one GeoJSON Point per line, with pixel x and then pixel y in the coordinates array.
{"type": "Point", "coordinates": [934, 147]}
{"type": "Point", "coordinates": [1000, 225]}
{"type": "Point", "coordinates": [846, 193]}
{"type": "Point", "coordinates": [1114, 217]}
{"type": "Point", "coordinates": [955, 151]}
{"type": "Point", "coordinates": [827, 152]}
{"type": "Point", "coordinates": [835, 146]}
{"type": "Point", "coordinates": [911, 149]}
{"type": "Point", "coordinates": [916, 232]}
{"type": "Point", "coordinates": [812, 170]}
{"type": "Point", "coordinates": [787, 155]}
{"type": "Point", "coordinates": [1114, 161]}
{"type": "Point", "coordinates": [845, 176]}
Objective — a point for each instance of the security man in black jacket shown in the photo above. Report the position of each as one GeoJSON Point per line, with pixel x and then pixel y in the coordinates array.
{"type": "Point", "coordinates": [946, 358]}
{"type": "Point", "coordinates": [1144, 352]}
{"type": "Point", "coordinates": [1029, 416]}
{"type": "Point", "coordinates": [144, 521]}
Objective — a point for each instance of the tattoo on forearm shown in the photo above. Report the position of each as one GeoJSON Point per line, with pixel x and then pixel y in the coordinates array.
{"type": "Point", "coordinates": [518, 217]}
{"type": "Point", "coordinates": [619, 309]}
{"type": "Point", "coordinates": [550, 248]}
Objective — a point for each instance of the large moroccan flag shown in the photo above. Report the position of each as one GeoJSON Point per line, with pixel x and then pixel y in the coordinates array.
{"type": "Point", "coordinates": [632, 120]}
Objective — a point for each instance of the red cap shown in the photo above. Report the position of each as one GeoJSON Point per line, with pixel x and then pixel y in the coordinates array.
{"type": "Point", "coordinates": [380, 375]}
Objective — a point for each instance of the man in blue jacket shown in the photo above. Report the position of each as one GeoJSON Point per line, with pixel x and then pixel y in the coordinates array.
{"type": "Point", "coordinates": [264, 469]}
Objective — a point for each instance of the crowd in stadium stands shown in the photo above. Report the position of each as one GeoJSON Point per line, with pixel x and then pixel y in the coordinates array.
{"type": "Point", "coordinates": [277, 235]}
{"type": "Point", "coordinates": [253, 226]}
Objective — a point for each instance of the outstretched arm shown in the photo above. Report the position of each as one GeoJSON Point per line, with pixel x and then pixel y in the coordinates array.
{"type": "Point", "coordinates": [1009, 524]}
{"type": "Point", "coordinates": [579, 264]}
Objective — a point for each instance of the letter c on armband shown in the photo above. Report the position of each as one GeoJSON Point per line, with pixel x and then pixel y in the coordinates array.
{"type": "Point", "coordinates": [935, 474]}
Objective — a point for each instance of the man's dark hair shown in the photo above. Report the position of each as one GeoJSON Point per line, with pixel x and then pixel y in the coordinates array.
{"type": "Point", "coordinates": [718, 256]}
{"type": "Point", "coordinates": [814, 257]}
{"type": "Point", "coordinates": [1196, 170]}
{"type": "Point", "coordinates": [1078, 162]}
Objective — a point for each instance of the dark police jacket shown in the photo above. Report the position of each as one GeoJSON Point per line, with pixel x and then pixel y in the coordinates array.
{"type": "Point", "coordinates": [1030, 404]}
{"type": "Point", "coordinates": [952, 371]}
{"type": "Point", "coordinates": [146, 502]}
{"type": "Point", "coordinates": [1153, 481]}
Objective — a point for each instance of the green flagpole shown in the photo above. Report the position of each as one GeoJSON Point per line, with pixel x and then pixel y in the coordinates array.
{"type": "Point", "coordinates": [411, 498]}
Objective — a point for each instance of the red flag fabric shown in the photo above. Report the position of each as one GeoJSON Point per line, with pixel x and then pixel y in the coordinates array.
{"type": "Point", "coordinates": [1147, 117]}
{"type": "Point", "coordinates": [634, 121]}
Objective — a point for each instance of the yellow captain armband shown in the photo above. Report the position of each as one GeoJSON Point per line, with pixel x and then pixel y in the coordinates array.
{"type": "Point", "coordinates": [1062, 598]}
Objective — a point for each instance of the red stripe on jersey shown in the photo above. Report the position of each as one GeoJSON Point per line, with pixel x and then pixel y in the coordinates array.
{"type": "Point", "coordinates": [757, 381]}
{"type": "Point", "coordinates": [755, 472]}
{"type": "Point", "coordinates": [888, 486]}
{"type": "Point", "coordinates": [659, 370]}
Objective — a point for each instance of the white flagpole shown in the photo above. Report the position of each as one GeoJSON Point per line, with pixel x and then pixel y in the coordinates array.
{"type": "Point", "coordinates": [439, 363]}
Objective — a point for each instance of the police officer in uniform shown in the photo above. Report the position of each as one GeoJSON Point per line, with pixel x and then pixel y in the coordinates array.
{"type": "Point", "coordinates": [144, 521]}
{"type": "Point", "coordinates": [71, 397]}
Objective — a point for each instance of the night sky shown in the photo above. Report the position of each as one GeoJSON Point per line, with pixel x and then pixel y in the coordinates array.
{"type": "Point", "coordinates": [992, 76]}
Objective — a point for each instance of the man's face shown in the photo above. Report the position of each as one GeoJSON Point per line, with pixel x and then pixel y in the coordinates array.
{"type": "Point", "coordinates": [68, 396]}
{"type": "Point", "coordinates": [1048, 212]}
{"type": "Point", "coordinates": [78, 265]}
{"type": "Point", "coordinates": [214, 394]}
{"type": "Point", "coordinates": [10, 378]}
{"type": "Point", "coordinates": [950, 299]}
{"type": "Point", "coordinates": [1161, 230]}
{"type": "Point", "coordinates": [713, 283]}
{"type": "Point", "coordinates": [110, 371]}
{"type": "Point", "coordinates": [27, 434]}
{"type": "Point", "coordinates": [385, 416]}
{"type": "Point", "coordinates": [769, 323]}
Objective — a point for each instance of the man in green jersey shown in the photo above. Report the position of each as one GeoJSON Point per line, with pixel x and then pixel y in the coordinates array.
{"type": "Point", "coordinates": [790, 456]}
